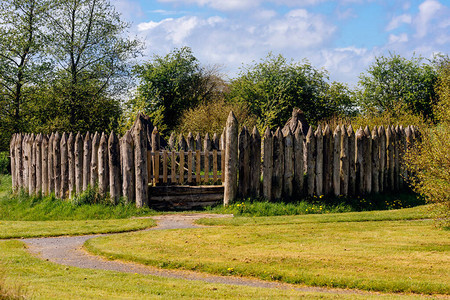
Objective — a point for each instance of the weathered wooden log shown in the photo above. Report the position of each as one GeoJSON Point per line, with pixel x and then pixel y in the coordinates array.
{"type": "Point", "coordinates": [390, 158]}
{"type": "Point", "coordinates": [190, 142]}
{"type": "Point", "coordinates": [182, 144]}
{"type": "Point", "coordinates": [140, 165]}
{"type": "Point", "coordinates": [12, 156]}
{"type": "Point", "coordinates": [359, 161]}
{"type": "Point", "coordinates": [244, 163]}
{"type": "Point", "coordinates": [57, 163]}
{"type": "Point", "coordinates": [351, 161]}
{"type": "Point", "coordinates": [375, 161]}
{"type": "Point", "coordinates": [115, 185]}
{"type": "Point", "coordinates": [267, 164]}
{"type": "Point", "coordinates": [93, 176]}
{"type": "Point", "coordinates": [278, 164]}
{"type": "Point", "coordinates": [127, 159]}
{"type": "Point", "coordinates": [408, 138]}
{"type": "Point", "coordinates": [78, 163]}
{"type": "Point", "coordinates": [255, 160]}
{"type": "Point", "coordinates": [310, 161]}
{"type": "Point", "coordinates": [288, 179]}
{"type": "Point", "coordinates": [382, 157]}
{"type": "Point", "coordinates": [344, 162]}
{"type": "Point", "coordinates": [103, 164]}
{"type": "Point", "coordinates": [215, 142]}
{"type": "Point", "coordinates": [87, 155]}
{"type": "Point", "coordinates": [207, 147]}
{"type": "Point", "coordinates": [299, 173]}
{"type": "Point", "coordinates": [223, 138]}
{"type": "Point", "coordinates": [172, 141]}
{"type": "Point", "coordinates": [367, 160]}
{"type": "Point", "coordinates": [19, 161]}
{"type": "Point", "coordinates": [231, 159]}
{"type": "Point", "coordinates": [397, 141]}
{"type": "Point", "coordinates": [327, 161]}
{"type": "Point", "coordinates": [71, 162]}
{"type": "Point", "coordinates": [198, 142]}
{"type": "Point", "coordinates": [319, 161]}
{"type": "Point", "coordinates": [403, 149]}
{"type": "Point", "coordinates": [337, 161]}
{"type": "Point", "coordinates": [25, 162]}
{"type": "Point", "coordinates": [51, 170]}
{"type": "Point", "coordinates": [156, 140]}
{"type": "Point", "coordinates": [32, 172]}
{"type": "Point", "coordinates": [182, 166]}
{"type": "Point", "coordinates": [38, 151]}
{"type": "Point", "coordinates": [64, 167]}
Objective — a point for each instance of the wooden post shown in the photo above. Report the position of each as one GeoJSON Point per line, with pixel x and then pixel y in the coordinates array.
{"type": "Point", "coordinates": [207, 147]}
{"type": "Point", "coordinates": [255, 169]}
{"type": "Point", "coordinates": [173, 171]}
{"type": "Point", "coordinates": [127, 159]}
{"type": "Point", "coordinates": [344, 164]}
{"type": "Point", "coordinates": [268, 164]}
{"type": "Point", "coordinates": [71, 161]}
{"type": "Point", "coordinates": [172, 141]}
{"type": "Point", "coordinates": [319, 161]}
{"type": "Point", "coordinates": [103, 174]}
{"type": "Point", "coordinates": [57, 163]}
{"type": "Point", "coordinates": [222, 152]}
{"type": "Point", "coordinates": [114, 168]}
{"type": "Point", "coordinates": [310, 161]}
{"type": "Point", "coordinates": [382, 157]}
{"type": "Point", "coordinates": [87, 155]}
{"type": "Point", "coordinates": [403, 169]}
{"type": "Point", "coordinates": [390, 158]}
{"type": "Point", "coordinates": [288, 180]}
{"type": "Point", "coordinates": [182, 166]}
{"type": "Point", "coordinates": [409, 141]}
{"type": "Point", "coordinates": [368, 161]}
{"type": "Point", "coordinates": [78, 163]}
{"type": "Point", "coordinates": [375, 161]}
{"type": "Point", "coordinates": [64, 167]}
{"type": "Point", "coordinates": [396, 133]}
{"type": "Point", "coordinates": [93, 176]}
{"type": "Point", "coordinates": [215, 142]}
{"type": "Point", "coordinates": [231, 159]}
{"type": "Point", "coordinates": [182, 144]}
{"type": "Point", "coordinates": [38, 151]}
{"type": "Point", "coordinates": [360, 139]}
{"type": "Point", "coordinates": [32, 172]}
{"type": "Point", "coordinates": [51, 170]}
{"type": "Point", "coordinates": [198, 147]}
{"type": "Point", "coordinates": [140, 163]}
{"type": "Point", "coordinates": [327, 161]}
{"type": "Point", "coordinates": [337, 161]}
{"type": "Point", "coordinates": [164, 163]}
{"type": "Point", "coordinates": [190, 164]}
{"type": "Point", "coordinates": [244, 163]}
{"type": "Point", "coordinates": [352, 164]}
{"type": "Point", "coordinates": [278, 164]}
{"type": "Point", "coordinates": [299, 163]}
{"type": "Point", "coordinates": [18, 161]}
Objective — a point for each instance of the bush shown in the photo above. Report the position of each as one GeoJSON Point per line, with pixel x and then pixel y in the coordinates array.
{"type": "Point", "coordinates": [212, 117]}
{"type": "Point", "coordinates": [430, 159]}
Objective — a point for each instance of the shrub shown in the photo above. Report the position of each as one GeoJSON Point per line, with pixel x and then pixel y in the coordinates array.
{"type": "Point", "coordinates": [430, 159]}
{"type": "Point", "coordinates": [4, 163]}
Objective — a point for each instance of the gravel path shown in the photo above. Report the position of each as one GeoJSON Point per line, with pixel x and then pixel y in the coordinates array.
{"type": "Point", "coordinates": [68, 250]}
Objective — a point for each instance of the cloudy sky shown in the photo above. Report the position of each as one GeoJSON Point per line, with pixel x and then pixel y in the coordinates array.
{"type": "Point", "coordinates": [342, 36]}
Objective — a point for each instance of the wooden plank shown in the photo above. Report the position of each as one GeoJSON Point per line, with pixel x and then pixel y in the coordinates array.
{"type": "Point", "coordinates": [181, 168]}
{"type": "Point", "coordinates": [173, 171]}
{"type": "Point", "coordinates": [164, 163]}
{"type": "Point", "coordinates": [185, 189]}
{"type": "Point", "coordinates": [198, 166]}
{"type": "Point", "coordinates": [190, 166]}
{"type": "Point", "coordinates": [215, 165]}
{"type": "Point", "coordinates": [156, 164]}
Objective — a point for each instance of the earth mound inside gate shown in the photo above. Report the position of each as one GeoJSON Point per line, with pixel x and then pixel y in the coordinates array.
{"type": "Point", "coordinates": [184, 197]}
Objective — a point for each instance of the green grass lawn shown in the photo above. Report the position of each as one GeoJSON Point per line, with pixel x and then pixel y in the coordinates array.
{"type": "Point", "coordinates": [382, 251]}
{"type": "Point", "coordinates": [45, 280]}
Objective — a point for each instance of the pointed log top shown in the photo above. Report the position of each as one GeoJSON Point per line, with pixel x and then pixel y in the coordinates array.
{"type": "Point", "coordinates": [96, 137]}
{"type": "Point", "coordinates": [231, 118]}
{"type": "Point", "coordinates": [255, 132]}
{"type": "Point", "coordinates": [190, 136]}
{"type": "Point", "coordinates": [207, 136]}
{"type": "Point", "coordinates": [278, 133]}
{"type": "Point", "coordinates": [197, 137]}
{"type": "Point", "coordinates": [375, 132]}
{"type": "Point", "coordinates": [318, 131]}
{"type": "Point", "coordinates": [298, 129]}
{"type": "Point", "coordinates": [288, 132]}
{"type": "Point", "coordinates": [155, 130]}
{"type": "Point", "coordinates": [87, 137]}
{"type": "Point", "coordinates": [181, 137]}
{"type": "Point", "coordinates": [360, 133]}
{"type": "Point", "coordinates": [103, 138]}
{"type": "Point", "coordinates": [310, 133]}
{"type": "Point", "coordinates": [268, 132]}
{"type": "Point", "coordinates": [112, 137]}
{"type": "Point", "coordinates": [215, 136]}
{"type": "Point", "coordinates": [78, 136]}
{"type": "Point", "coordinates": [337, 130]}
{"type": "Point", "coordinates": [388, 130]}
{"type": "Point", "coordinates": [350, 130]}
{"type": "Point", "coordinates": [326, 130]}
{"type": "Point", "coordinates": [408, 131]}
{"type": "Point", "coordinates": [63, 137]}
{"type": "Point", "coordinates": [172, 137]}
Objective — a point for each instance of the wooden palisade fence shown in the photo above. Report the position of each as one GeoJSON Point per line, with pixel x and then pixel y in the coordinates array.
{"type": "Point", "coordinates": [328, 161]}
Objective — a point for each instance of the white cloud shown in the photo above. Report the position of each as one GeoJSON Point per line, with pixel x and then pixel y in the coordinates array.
{"type": "Point", "coordinates": [224, 5]}
{"type": "Point", "coordinates": [398, 21]}
{"type": "Point", "coordinates": [427, 11]}
{"type": "Point", "coordinates": [401, 38]}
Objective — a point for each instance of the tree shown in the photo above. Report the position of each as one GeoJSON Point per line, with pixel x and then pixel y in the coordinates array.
{"type": "Point", "coordinates": [274, 86]}
{"type": "Point", "coordinates": [21, 68]}
{"type": "Point", "coordinates": [91, 58]}
{"type": "Point", "coordinates": [395, 81]}
{"type": "Point", "coordinates": [171, 85]}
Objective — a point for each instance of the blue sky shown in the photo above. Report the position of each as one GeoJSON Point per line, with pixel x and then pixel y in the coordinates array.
{"type": "Point", "coordinates": [342, 36]}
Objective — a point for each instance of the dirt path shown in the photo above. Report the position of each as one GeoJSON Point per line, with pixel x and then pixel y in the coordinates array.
{"type": "Point", "coordinates": [68, 250]}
